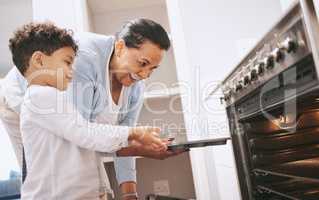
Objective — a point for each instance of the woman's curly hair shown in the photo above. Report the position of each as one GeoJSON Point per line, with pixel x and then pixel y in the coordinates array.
{"type": "Point", "coordinates": [44, 37]}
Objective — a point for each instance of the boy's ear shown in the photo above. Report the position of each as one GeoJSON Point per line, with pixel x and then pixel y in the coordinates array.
{"type": "Point", "coordinates": [36, 59]}
{"type": "Point", "coordinates": [119, 46]}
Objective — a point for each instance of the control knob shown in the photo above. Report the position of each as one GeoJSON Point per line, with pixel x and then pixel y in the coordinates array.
{"type": "Point", "coordinates": [227, 95]}
{"type": "Point", "coordinates": [289, 45]}
{"type": "Point", "coordinates": [269, 62]}
{"type": "Point", "coordinates": [253, 74]}
{"type": "Point", "coordinates": [238, 86]}
{"type": "Point", "coordinates": [277, 54]}
{"type": "Point", "coordinates": [246, 80]}
{"type": "Point", "coordinates": [260, 67]}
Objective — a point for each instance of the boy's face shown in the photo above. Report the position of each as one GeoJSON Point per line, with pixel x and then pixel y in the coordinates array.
{"type": "Point", "coordinates": [59, 66]}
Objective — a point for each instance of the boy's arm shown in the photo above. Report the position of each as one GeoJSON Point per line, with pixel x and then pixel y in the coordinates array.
{"type": "Point", "coordinates": [69, 124]}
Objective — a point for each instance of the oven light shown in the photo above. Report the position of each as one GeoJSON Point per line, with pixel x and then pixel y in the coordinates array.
{"type": "Point", "coordinates": [280, 120]}
{"type": "Point", "coordinates": [317, 99]}
{"type": "Point", "coordinates": [277, 122]}
{"type": "Point", "coordinates": [285, 120]}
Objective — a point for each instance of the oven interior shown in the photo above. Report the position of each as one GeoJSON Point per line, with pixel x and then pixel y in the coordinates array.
{"type": "Point", "coordinates": [275, 133]}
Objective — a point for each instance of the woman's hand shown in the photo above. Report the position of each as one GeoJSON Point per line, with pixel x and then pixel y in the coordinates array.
{"type": "Point", "coordinates": [138, 149]}
{"type": "Point", "coordinates": [145, 142]}
{"type": "Point", "coordinates": [147, 137]}
{"type": "Point", "coordinates": [148, 152]}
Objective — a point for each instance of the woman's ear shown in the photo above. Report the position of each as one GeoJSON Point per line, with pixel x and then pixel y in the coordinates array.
{"type": "Point", "coordinates": [36, 59]}
{"type": "Point", "coordinates": [119, 46]}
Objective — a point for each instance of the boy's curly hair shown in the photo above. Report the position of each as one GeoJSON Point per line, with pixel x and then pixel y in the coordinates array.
{"type": "Point", "coordinates": [44, 37]}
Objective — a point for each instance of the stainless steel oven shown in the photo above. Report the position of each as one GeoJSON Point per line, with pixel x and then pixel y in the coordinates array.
{"type": "Point", "coordinates": [272, 103]}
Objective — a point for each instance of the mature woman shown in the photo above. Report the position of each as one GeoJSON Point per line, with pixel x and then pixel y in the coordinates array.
{"type": "Point", "coordinates": [107, 88]}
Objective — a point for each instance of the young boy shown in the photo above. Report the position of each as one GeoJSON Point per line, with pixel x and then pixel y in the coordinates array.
{"type": "Point", "coordinates": [61, 148]}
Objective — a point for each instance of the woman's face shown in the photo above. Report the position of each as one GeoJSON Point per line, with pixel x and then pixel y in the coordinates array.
{"type": "Point", "coordinates": [135, 63]}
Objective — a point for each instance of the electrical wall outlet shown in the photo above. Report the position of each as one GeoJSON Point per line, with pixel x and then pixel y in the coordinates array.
{"type": "Point", "coordinates": [161, 187]}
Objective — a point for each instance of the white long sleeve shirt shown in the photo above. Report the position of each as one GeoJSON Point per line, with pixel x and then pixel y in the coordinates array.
{"type": "Point", "coordinates": [90, 97]}
{"type": "Point", "coordinates": [61, 148]}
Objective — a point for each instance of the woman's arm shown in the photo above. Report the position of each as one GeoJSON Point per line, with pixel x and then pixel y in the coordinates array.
{"type": "Point", "coordinates": [125, 167]}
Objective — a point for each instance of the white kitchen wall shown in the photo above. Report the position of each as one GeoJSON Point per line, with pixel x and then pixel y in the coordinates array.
{"type": "Point", "coordinates": [317, 8]}
{"type": "Point", "coordinates": [13, 13]}
{"type": "Point", "coordinates": [109, 20]}
{"type": "Point", "coordinates": [72, 14]}
{"type": "Point", "coordinates": [210, 37]}
{"type": "Point", "coordinates": [285, 4]}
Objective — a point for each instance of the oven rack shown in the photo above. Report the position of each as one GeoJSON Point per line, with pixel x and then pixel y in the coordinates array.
{"type": "Point", "coordinates": [300, 191]}
{"type": "Point", "coordinates": [304, 170]}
